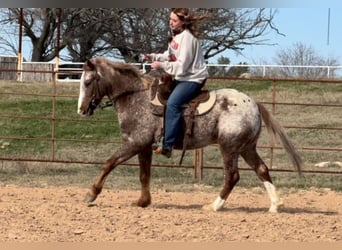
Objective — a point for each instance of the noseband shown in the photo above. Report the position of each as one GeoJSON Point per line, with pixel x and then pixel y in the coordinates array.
{"type": "Point", "coordinates": [92, 104]}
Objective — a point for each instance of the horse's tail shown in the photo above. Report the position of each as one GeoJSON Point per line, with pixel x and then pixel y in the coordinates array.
{"type": "Point", "coordinates": [278, 131]}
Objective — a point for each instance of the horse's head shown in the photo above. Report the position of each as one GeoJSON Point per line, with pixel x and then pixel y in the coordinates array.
{"type": "Point", "coordinates": [90, 94]}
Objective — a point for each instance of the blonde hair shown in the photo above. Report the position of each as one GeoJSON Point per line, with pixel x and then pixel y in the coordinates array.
{"type": "Point", "coordinates": [189, 20]}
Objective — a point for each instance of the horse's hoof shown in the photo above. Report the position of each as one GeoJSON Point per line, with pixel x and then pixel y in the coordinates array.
{"type": "Point", "coordinates": [209, 207]}
{"type": "Point", "coordinates": [90, 198]}
{"type": "Point", "coordinates": [217, 205]}
{"type": "Point", "coordinates": [140, 203]}
{"type": "Point", "coordinates": [274, 207]}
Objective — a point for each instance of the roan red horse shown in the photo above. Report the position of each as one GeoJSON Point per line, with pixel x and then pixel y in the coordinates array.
{"type": "Point", "coordinates": [233, 123]}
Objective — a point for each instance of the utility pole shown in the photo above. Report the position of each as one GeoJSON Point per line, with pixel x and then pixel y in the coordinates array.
{"type": "Point", "coordinates": [20, 54]}
{"type": "Point", "coordinates": [328, 33]}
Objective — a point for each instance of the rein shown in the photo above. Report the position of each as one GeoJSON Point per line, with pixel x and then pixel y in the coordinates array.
{"type": "Point", "coordinates": [114, 100]}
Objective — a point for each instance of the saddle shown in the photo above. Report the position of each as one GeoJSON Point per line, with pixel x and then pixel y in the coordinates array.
{"type": "Point", "coordinates": [160, 91]}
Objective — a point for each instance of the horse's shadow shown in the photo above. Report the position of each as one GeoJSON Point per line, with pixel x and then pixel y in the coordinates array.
{"type": "Point", "coordinates": [178, 207]}
{"type": "Point", "coordinates": [285, 210]}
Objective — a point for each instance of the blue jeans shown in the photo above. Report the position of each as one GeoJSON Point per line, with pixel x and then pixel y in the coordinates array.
{"type": "Point", "coordinates": [182, 94]}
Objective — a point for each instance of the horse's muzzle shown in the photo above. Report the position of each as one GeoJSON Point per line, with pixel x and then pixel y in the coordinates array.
{"type": "Point", "coordinates": [88, 111]}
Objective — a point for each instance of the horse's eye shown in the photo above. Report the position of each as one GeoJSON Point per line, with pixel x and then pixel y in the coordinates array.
{"type": "Point", "coordinates": [87, 83]}
{"type": "Point", "coordinates": [89, 77]}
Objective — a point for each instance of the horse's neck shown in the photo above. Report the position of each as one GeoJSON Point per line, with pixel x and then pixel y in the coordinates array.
{"type": "Point", "coordinates": [131, 99]}
{"type": "Point", "coordinates": [132, 110]}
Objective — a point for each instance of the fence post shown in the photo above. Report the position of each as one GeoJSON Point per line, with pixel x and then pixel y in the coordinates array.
{"type": "Point", "coordinates": [273, 113]}
{"type": "Point", "coordinates": [198, 163]}
{"type": "Point", "coordinates": [20, 55]}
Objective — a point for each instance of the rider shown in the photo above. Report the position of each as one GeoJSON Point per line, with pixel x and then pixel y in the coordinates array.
{"type": "Point", "coordinates": [183, 60]}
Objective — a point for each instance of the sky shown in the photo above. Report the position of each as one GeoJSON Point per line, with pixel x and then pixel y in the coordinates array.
{"type": "Point", "coordinates": [306, 25]}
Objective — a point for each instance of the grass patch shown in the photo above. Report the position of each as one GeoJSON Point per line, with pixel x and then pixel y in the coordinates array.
{"type": "Point", "coordinates": [244, 86]}
{"type": "Point", "coordinates": [28, 123]}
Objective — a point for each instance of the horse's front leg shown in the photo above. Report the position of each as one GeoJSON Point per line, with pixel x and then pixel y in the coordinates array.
{"type": "Point", "coordinates": [231, 178]}
{"type": "Point", "coordinates": [145, 161]}
{"type": "Point", "coordinates": [120, 156]}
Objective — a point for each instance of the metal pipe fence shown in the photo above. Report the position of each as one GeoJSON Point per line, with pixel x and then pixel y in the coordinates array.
{"type": "Point", "coordinates": [198, 162]}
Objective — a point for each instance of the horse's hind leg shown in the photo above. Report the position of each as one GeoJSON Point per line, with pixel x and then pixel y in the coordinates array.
{"type": "Point", "coordinates": [231, 174]}
{"type": "Point", "coordinates": [145, 161]}
{"type": "Point", "coordinates": [253, 159]}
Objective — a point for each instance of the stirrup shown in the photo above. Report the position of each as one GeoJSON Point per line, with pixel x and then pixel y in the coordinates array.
{"type": "Point", "coordinates": [159, 149]}
{"type": "Point", "coordinates": [156, 146]}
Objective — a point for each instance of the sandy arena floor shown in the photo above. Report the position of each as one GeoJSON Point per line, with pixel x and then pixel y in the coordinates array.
{"type": "Point", "coordinates": [59, 214]}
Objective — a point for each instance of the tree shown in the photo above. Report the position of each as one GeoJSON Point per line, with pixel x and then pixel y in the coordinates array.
{"type": "Point", "coordinates": [8, 34]}
{"type": "Point", "coordinates": [232, 71]}
{"type": "Point", "coordinates": [236, 28]}
{"type": "Point", "coordinates": [123, 33]}
{"type": "Point", "coordinates": [39, 25]}
{"type": "Point", "coordinates": [134, 31]}
{"type": "Point", "coordinates": [220, 70]}
{"type": "Point", "coordinates": [238, 71]}
{"type": "Point", "coordinates": [306, 62]}
{"type": "Point", "coordinates": [224, 29]}
{"type": "Point", "coordinates": [83, 31]}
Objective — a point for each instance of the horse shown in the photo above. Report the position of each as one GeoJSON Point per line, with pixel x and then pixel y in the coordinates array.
{"type": "Point", "coordinates": [233, 123]}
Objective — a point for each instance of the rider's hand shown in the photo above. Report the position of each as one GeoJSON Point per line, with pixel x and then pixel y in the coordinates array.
{"type": "Point", "coordinates": [145, 58]}
{"type": "Point", "coordinates": [156, 65]}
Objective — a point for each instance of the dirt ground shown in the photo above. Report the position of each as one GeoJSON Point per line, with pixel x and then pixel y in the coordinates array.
{"type": "Point", "coordinates": [56, 214]}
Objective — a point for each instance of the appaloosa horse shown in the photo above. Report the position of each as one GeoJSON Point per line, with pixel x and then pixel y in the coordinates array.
{"type": "Point", "coordinates": [234, 123]}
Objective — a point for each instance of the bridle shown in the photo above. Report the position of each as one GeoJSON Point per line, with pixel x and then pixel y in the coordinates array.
{"type": "Point", "coordinates": [92, 104]}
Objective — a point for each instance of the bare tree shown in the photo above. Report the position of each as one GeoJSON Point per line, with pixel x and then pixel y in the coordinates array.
{"type": "Point", "coordinates": [39, 26]}
{"type": "Point", "coordinates": [8, 33]}
{"type": "Point", "coordinates": [236, 28]}
{"type": "Point", "coordinates": [83, 31]}
{"type": "Point", "coordinates": [137, 30]}
{"type": "Point", "coordinates": [125, 32]}
{"type": "Point", "coordinates": [303, 61]}
{"type": "Point", "coordinates": [146, 30]}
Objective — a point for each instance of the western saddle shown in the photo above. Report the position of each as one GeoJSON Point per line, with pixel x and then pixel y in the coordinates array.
{"type": "Point", "coordinates": [160, 91]}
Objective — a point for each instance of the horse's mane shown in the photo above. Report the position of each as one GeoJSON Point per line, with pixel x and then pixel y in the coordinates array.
{"type": "Point", "coordinates": [123, 68]}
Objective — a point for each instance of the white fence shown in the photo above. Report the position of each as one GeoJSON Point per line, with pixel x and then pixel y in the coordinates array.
{"type": "Point", "coordinates": [68, 71]}
{"type": "Point", "coordinates": [286, 71]}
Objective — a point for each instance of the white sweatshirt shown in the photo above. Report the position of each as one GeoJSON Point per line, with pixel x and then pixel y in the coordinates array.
{"type": "Point", "coordinates": [184, 58]}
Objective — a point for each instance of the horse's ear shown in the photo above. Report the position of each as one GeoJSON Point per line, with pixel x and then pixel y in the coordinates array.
{"type": "Point", "coordinates": [89, 65]}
